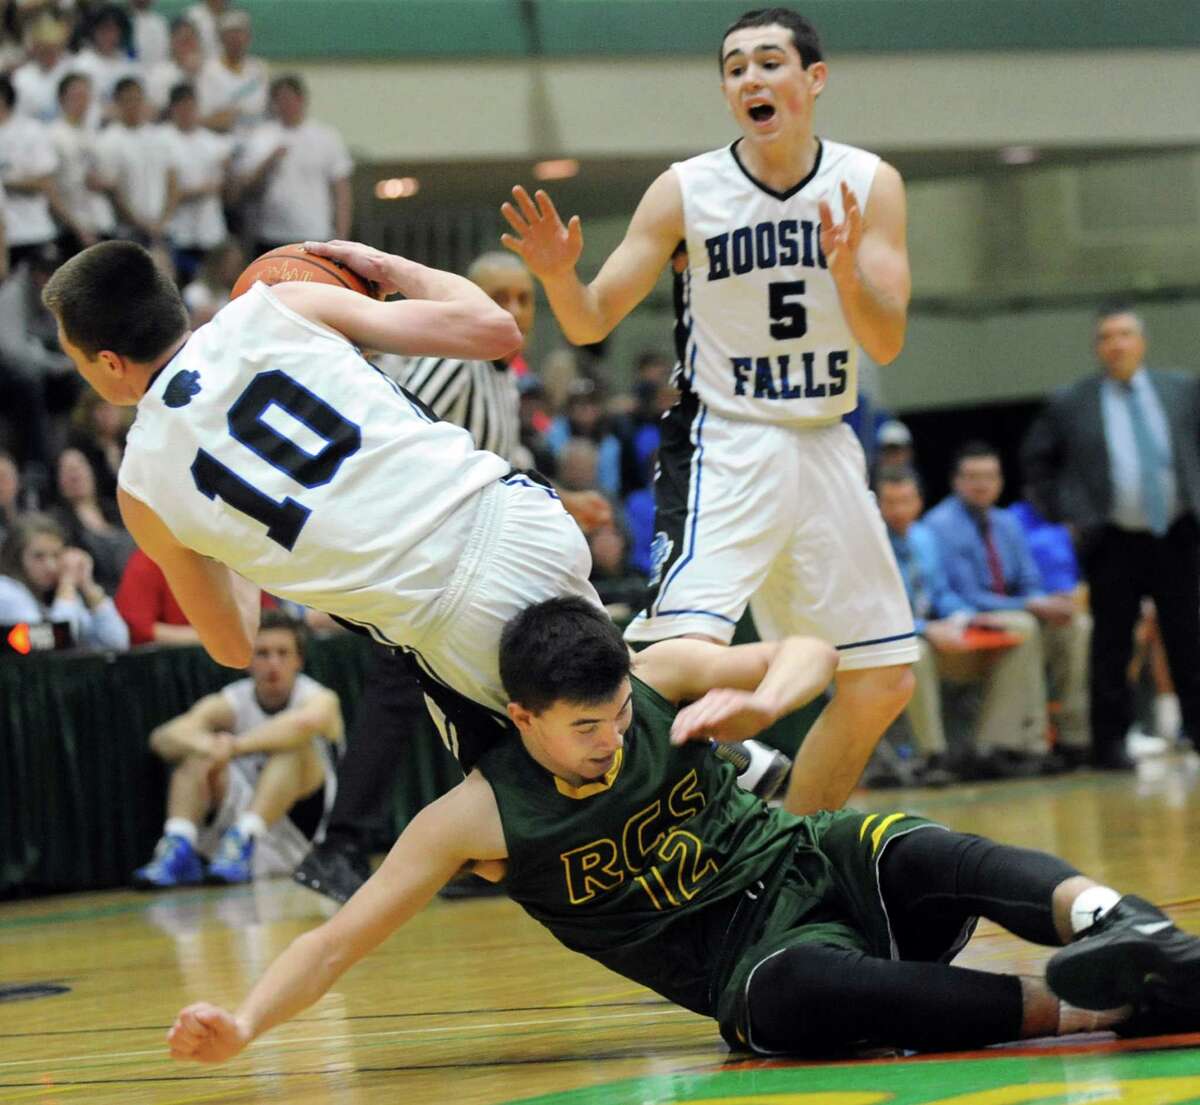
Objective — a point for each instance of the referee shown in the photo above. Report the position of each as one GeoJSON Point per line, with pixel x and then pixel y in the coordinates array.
{"type": "Point", "coordinates": [482, 397]}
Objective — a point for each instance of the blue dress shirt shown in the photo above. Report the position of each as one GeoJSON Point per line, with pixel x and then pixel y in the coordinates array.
{"type": "Point", "coordinates": [965, 556]}
{"type": "Point", "coordinates": [929, 592]}
{"type": "Point", "coordinates": [1128, 511]}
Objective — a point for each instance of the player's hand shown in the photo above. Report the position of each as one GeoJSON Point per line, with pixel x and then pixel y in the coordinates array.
{"type": "Point", "coordinates": [590, 509]}
{"type": "Point", "coordinates": [840, 241]}
{"type": "Point", "coordinates": [371, 263]}
{"type": "Point", "coordinates": [547, 246]}
{"type": "Point", "coordinates": [222, 747]}
{"type": "Point", "coordinates": [206, 1034]}
{"type": "Point", "coordinates": [722, 714]}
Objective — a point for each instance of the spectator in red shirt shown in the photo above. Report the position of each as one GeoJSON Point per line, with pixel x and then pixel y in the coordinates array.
{"type": "Point", "coordinates": [145, 601]}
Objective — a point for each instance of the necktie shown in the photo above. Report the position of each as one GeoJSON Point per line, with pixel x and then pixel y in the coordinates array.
{"type": "Point", "coordinates": [1150, 459]}
{"type": "Point", "coordinates": [995, 566]}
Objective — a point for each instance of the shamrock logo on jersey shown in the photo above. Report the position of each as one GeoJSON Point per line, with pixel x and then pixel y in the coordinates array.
{"type": "Point", "coordinates": [660, 552]}
{"type": "Point", "coordinates": [184, 384]}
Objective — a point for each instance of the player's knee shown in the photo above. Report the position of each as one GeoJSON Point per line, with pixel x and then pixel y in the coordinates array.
{"type": "Point", "coordinates": [797, 1001]}
{"type": "Point", "coordinates": [891, 687]}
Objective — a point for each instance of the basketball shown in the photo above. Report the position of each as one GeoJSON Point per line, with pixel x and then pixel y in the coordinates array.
{"type": "Point", "coordinates": [294, 262]}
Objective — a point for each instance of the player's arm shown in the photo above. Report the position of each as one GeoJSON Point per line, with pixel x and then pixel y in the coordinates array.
{"type": "Point", "coordinates": [735, 692]}
{"type": "Point", "coordinates": [443, 315]}
{"type": "Point", "coordinates": [190, 734]}
{"type": "Point", "coordinates": [460, 827]}
{"type": "Point", "coordinates": [221, 606]}
{"type": "Point", "coordinates": [868, 259]}
{"type": "Point", "coordinates": [551, 250]}
{"type": "Point", "coordinates": [320, 716]}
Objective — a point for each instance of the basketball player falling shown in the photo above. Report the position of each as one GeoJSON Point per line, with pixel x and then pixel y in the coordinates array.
{"type": "Point", "coordinates": [267, 453]}
{"type": "Point", "coordinates": [795, 257]}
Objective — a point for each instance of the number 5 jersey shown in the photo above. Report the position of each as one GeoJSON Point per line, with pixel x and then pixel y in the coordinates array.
{"type": "Point", "coordinates": [269, 444]}
{"type": "Point", "coordinates": [762, 335]}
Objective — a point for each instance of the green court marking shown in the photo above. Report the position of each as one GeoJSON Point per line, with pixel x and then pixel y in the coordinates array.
{"type": "Point", "coordinates": [1168, 1077]}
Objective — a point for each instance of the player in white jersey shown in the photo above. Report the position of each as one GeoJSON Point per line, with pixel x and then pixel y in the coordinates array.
{"type": "Point", "coordinates": [795, 257]}
{"type": "Point", "coordinates": [252, 779]}
{"type": "Point", "coordinates": [267, 453]}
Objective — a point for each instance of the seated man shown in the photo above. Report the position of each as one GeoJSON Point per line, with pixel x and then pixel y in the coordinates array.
{"type": "Point", "coordinates": [632, 845]}
{"type": "Point", "coordinates": [1012, 718]}
{"type": "Point", "coordinates": [253, 778]}
{"type": "Point", "coordinates": [988, 563]}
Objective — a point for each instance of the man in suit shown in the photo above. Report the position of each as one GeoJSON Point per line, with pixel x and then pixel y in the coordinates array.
{"type": "Point", "coordinates": [1116, 456]}
{"type": "Point", "coordinates": [989, 563]}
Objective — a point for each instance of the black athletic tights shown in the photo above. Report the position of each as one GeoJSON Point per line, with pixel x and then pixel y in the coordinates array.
{"type": "Point", "coordinates": [820, 999]}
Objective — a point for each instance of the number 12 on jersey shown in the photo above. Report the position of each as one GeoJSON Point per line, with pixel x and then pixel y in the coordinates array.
{"type": "Point", "coordinates": [341, 439]}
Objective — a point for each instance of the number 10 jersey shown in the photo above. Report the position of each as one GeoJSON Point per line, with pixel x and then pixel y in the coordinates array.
{"type": "Point", "coordinates": [761, 333]}
{"type": "Point", "coordinates": [269, 444]}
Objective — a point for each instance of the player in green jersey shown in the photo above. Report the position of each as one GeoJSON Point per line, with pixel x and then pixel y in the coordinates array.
{"type": "Point", "coordinates": [808, 935]}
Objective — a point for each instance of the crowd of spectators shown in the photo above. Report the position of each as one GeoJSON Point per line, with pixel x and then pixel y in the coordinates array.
{"type": "Point", "coordinates": [115, 123]}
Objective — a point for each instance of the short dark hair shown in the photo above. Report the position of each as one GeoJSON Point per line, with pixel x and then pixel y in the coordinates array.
{"type": "Point", "coordinates": [804, 34]}
{"type": "Point", "coordinates": [113, 296]}
{"type": "Point", "coordinates": [7, 93]}
{"type": "Point", "coordinates": [893, 474]}
{"type": "Point", "coordinates": [69, 80]}
{"type": "Point", "coordinates": [562, 650]}
{"type": "Point", "coordinates": [974, 450]}
{"type": "Point", "coordinates": [281, 619]}
{"type": "Point", "coordinates": [1111, 307]}
{"type": "Point", "coordinates": [126, 83]}
{"type": "Point", "coordinates": [289, 80]}
{"type": "Point", "coordinates": [180, 92]}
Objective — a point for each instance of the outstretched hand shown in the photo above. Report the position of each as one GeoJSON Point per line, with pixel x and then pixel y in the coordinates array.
{"type": "Point", "coordinates": [723, 714]}
{"type": "Point", "coordinates": [370, 263]}
{"type": "Point", "coordinates": [840, 241]}
{"type": "Point", "coordinates": [206, 1034]}
{"type": "Point", "coordinates": [540, 238]}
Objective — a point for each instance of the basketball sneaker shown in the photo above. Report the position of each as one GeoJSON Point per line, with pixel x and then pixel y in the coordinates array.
{"type": "Point", "coordinates": [174, 863]}
{"type": "Point", "coordinates": [1133, 955]}
{"type": "Point", "coordinates": [234, 858]}
{"type": "Point", "coordinates": [761, 770]}
{"type": "Point", "coordinates": [333, 871]}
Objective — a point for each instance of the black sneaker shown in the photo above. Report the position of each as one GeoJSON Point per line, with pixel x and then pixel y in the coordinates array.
{"type": "Point", "coordinates": [1134, 955]}
{"type": "Point", "coordinates": [761, 769]}
{"type": "Point", "coordinates": [335, 872]}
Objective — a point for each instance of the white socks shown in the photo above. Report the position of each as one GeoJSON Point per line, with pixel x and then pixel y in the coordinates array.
{"type": "Point", "coordinates": [1090, 906]}
{"type": "Point", "coordinates": [180, 826]}
{"type": "Point", "coordinates": [250, 824]}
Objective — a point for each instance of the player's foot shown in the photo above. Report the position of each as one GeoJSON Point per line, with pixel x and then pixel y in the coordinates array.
{"type": "Point", "coordinates": [761, 770]}
{"type": "Point", "coordinates": [234, 859]}
{"type": "Point", "coordinates": [1133, 955]}
{"type": "Point", "coordinates": [335, 872]}
{"type": "Point", "coordinates": [175, 863]}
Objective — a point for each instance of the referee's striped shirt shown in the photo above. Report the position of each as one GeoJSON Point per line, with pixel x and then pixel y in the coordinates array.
{"type": "Point", "coordinates": [479, 396]}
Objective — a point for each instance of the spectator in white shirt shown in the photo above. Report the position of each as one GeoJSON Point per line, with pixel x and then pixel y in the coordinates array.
{"type": "Point", "coordinates": [136, 167]}
{"type": "Point", "coordinates": [149, 34]}
{"type": "Point", "coordinates": [182, 67]}
{"type": "Point", "coordinates": [297, 172]}
{"type": "Point", "coordinates": [36, 82]}
{"type": "Point", "coordinates": [82, 206]}
{"type": "Point", "coordinates": [201, 162]}
{"type": "Point", "coordinates": [233, 85]}
{"type": "Point", "coordinates": [204, 15]}
{"type": "Point", "coordinates": [27, 165]}
{"type": "Point", "coordinates": [106, 57]}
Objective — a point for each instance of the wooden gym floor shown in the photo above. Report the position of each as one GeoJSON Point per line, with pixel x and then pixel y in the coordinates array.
{"type": "Point", "coordinates": [474, 1004]}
